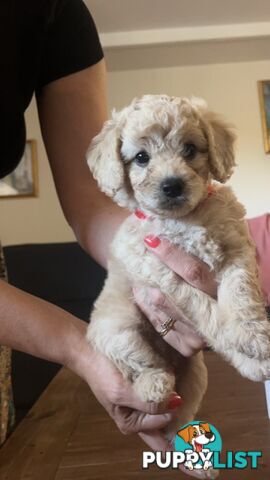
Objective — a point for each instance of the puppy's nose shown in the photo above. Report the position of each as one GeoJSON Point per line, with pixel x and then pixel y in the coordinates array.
{"type": "Point", "coordinates": [208, 434]}
{"type": "Point", "coordinates": [172, 187]}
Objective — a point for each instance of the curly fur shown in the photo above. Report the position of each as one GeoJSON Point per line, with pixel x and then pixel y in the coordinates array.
{"type": "Point", "coordinates": [211, 228]}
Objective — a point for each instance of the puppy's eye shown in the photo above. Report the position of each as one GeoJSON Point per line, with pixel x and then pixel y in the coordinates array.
{"type": "Point", "coordinates": [195, 433]}
{"type": "Point", "coordinates": [189, 151]}
{"type": "Point", "coordinates": [142, 158]}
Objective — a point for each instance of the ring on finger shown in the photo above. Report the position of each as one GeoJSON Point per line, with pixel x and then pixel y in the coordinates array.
{"type": "Point", "coordinates": [166, 326]}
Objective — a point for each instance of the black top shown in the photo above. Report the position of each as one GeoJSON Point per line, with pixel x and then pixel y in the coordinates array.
{"type": "Point", "coordinates": [40, 41]}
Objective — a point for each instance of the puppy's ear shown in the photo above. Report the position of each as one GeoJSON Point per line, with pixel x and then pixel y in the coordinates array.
{"type": "Point", "coordinates": [105, 162]}
{"type": "Point", "coordinates": [221, 141]}
{"type": "Point", "coordinates": [103, 157]}
{"type": "Point", "coordinates": [205, 426]}
{"type": "Point", "coordinates": [185, 434]}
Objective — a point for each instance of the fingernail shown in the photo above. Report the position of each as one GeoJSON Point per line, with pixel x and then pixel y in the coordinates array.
{"type": "Point", "coordinates": [139, 214]}
{"type": "Point", "coordinates": [152, 241]}
{"type": "Point", "coordinates": [175, 402]}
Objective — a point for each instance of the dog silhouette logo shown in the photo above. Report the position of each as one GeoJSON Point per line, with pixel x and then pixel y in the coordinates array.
{"type": "Point", "coordinates": [198, 440]}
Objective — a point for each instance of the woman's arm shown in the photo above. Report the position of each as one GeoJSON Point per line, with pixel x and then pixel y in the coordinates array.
{"type": "Point", "coordinates": [41, 329]}
{"type": "Point", "coordinates": [72, 111]}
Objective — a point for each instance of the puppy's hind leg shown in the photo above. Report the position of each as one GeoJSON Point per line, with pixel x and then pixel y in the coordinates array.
{"type": "Point", "coordinates": [191, 384]}
{"type": "Point", "coordinates": [114, 330]}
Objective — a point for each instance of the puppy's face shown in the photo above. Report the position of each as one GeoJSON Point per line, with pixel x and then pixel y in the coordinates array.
{"type": "Point", "coordinates": [160, 153]}
{"type": "Point", "coordinates": [197, 435]}
{"type": "Point", "coordinates": [165, 155]}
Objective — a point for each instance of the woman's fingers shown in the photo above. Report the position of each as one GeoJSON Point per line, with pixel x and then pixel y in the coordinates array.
{"type": "Point", "coordinates": [133, 421]}
{"type": "Point", "coordinates": [122, 403]}
{"type": "Point", "coordinates": [156, 441]}
{"type": "Point", "coordinates": [191, 269]}
{"type": "Point", "coordinates": [158, 310]}
{"type": "Point", "coordinates": [125, 396]}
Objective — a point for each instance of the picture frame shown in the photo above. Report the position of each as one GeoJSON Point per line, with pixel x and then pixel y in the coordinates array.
{"type": "Point", "coordinates": [23, 181]}
{"type": "Point", "coordinates": [264, 98]}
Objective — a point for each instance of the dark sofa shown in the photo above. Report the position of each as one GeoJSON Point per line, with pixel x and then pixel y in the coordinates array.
{"type": "Point", "coordinates": [63, 274]}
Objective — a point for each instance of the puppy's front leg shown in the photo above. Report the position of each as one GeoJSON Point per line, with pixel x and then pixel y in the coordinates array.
{"type": "Point", "coordinates": [115, 330]}
{"type": "Point", "coordinates": [247, 330]}
{"type": "Point", "coordinates": [236, 325]}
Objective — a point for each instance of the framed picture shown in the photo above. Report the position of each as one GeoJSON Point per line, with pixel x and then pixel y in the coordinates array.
{"type": "Point", "coordinates": [264, 96]}
{"type": "Point", "coordinates": [23, 181]}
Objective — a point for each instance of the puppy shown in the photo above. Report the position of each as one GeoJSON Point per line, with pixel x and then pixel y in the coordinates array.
{"type": "Point", "coordinates": [160, 155]}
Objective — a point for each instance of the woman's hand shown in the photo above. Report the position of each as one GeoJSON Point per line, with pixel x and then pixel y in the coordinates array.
{"type": "Point", "coordinates": [158, 309]}
{"type": "Point", "coordinates": [118, 397]}
{"type": "Point", "coordinates": [39, 328]}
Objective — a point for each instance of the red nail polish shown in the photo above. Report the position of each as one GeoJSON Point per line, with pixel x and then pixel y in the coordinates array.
{"type": "Point", "coordinates": [152, 241]}
{"type": "Point", "coordinates": [139, 214]}
{"type": "Point", "coordinates": [175, 402]}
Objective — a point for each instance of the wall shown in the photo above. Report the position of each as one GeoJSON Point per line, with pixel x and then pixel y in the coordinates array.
{"type": "Point", "coordinates": [34, 220]}
{"type": "Point", "coordinates": [229, 88]}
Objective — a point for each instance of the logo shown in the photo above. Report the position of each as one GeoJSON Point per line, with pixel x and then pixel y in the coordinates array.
{"type": "Point", "coordinates": [198, 446]}
{"type": "Point", "coordinates": [198, 441]}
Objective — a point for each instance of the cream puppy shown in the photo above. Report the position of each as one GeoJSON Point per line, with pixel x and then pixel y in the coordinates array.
{"type": "Point", "coordinates": [159, 155]}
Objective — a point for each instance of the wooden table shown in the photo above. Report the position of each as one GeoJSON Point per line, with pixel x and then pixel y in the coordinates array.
{"type": "Point", "coordinates": [67, 435]}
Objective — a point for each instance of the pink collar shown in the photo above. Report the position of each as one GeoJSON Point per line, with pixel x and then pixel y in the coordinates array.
{"type": "Point", "coordinates": [210, 191]}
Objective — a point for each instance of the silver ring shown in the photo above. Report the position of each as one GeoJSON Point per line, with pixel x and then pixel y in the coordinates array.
{"type": "Point", "coordinates": [167, 326]}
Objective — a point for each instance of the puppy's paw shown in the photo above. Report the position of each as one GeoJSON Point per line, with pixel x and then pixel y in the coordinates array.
{"type": "Point", "coordinates": [154, 385]}
{"type": "Point", "coordinates": [252, 368]}
{"type": "Point", "coordinates": [254, 341]}
{"type": "Point", "coordinates": [261, 371]}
